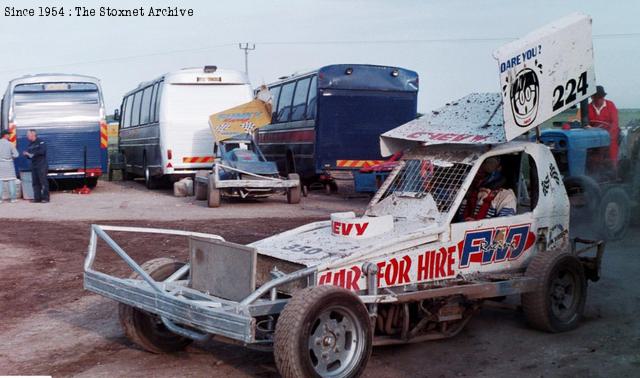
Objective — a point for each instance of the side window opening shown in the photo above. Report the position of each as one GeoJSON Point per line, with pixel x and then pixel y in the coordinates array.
{"type": "Point", "coordinates": [528, 184]}
{"type": "Point", "coordinates": [312, 100]}
{"type": "Point", "coordinates": [284, 104]}
{"type": "Point", "coordinates": [495, 190]}
{"type": "Point", "coordinates": [275, 92]}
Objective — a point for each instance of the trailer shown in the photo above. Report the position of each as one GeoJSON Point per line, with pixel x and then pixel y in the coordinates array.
{"type": "Point", "coordinates": [409, 269]}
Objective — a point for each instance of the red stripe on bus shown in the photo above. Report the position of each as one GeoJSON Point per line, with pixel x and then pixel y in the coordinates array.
{"type": "Point", "coordinates": [287, 136]}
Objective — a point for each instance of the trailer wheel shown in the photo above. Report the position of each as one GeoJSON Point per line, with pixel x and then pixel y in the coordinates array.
{"type": "Point", "coordinates": [557, 303]}
{"type": "Point", "coordinates": [323, 331]}
{"type": "Point", "coordinates": [213, 194]}
{"type": "Point", "coordinates": [614, 214]}
{"type": "Point", "coordinates": [293, 194]}
{"type": "Point", "coordinates": [200, 187]}
{"type": "Point", "coordinates": [146, 329]}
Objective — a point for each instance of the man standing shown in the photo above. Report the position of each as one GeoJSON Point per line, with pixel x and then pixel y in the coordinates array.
{"type": "Point", "coordinates": [37, 152]}
{"type": "Point", "coordinates": [8, 152]}
{"type": "Point", "coordinates": [604, 114]}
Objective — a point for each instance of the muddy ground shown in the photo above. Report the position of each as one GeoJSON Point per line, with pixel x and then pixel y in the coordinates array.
{"type": "Point", "coordinates": [49, 325]}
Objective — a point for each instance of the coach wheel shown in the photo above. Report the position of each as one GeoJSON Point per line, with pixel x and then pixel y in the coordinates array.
{"type": "Point", "coordinates": [331, 187]}
{"type": "Point", "coordinates": [323, 331]}
{"type": "Point", "coordinates": [213, 194]}
{"type": "Point", "coordinates": [293, 194]}
{"type": "Point", "coordinates": [146, 329]}
{"type": "Point", "coordinates": [614, 214]}
{"type": "Point", "coordinates": [149, 181]}
{"type": "Point", "coordinates": [557, 302]}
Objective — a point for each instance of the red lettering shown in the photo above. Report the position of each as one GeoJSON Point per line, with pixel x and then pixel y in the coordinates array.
{"type": "Point", "coordinates": [381, 265]}
{"type": "Point", "coordinates": [479, 138]}
{"type": "Point", "coordinates": [431, 258]}
{"type": "Point", "coordinates": [405, 265]}
{"type": "Point", "coordinates": [450, 260]}
{"type": "Point", "coordinates": [338, 278]}
{"type": "Point", "coordinates": [423, 267]}
{"type": "Point", "coordinates": [335, 227]}
{"type": "Point", "coordinates": [461, 137]}
{"type": "Point", "coordinates": [361, 227]}
{"type": "Point", "coordinates": [325, 278]}
{"type": "Point", "coordinates": [346, 228]}
{"type": "Point", "coordinates": [353, 276]}
{"type": "Point", "coordinates": [446, 137]}
{"type": "Point", "coordinates": [391, 273]}
{"type": "Point", "coordinates": [416, 134]}
{"type": "Point", "coordinates": [440, 260]}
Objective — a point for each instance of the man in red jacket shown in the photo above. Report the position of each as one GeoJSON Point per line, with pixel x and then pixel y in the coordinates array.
{"type": "Point", "coordinates": [604, 114]}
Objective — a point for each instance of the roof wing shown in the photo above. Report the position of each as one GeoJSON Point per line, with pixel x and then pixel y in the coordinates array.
{"type": "Point", "coordinates": [541, 74]}
{"type": "Point", "coordinates": [243, 119]}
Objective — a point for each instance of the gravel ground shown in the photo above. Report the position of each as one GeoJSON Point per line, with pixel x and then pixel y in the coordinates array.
{"type": "Point", "coordinates": [50, 325]}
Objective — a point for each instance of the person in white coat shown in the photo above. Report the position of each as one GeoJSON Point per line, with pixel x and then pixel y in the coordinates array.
{"type": "Point", "coordinates": [8, 153]}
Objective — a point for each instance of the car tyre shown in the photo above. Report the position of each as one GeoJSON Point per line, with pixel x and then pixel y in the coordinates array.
{"type": "Point", "coordinates": [323, 331]}
{"type": "Point", "coordinates": [200, 187]}
{"type": "Point", "coordinates": [149, 181]}
{"type": "Point", "coordinates": [146, 329]}
{"type": "Point", "coordinates": [557, 302]}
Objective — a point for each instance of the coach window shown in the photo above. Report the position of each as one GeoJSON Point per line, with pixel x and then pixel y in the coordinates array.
{"type": "Point", "coordinates": [126, 117]}
{"type": "Point", "coordinates": [284, 104]}
{"type": "Point", "coordinates": [311, 102]}
{"type": "Point", "coordinates": [300, 99]}
{"type": "Point", "coordinates": [275, 94]}
{"type": "Point", "coordinates": [135, 110]}
{"type": "Point", "coordinates": [158, 100]}
{"type": "Point", "coordinates": [146, 106]}
{"type": "Point", "coordinates": [154, 97]}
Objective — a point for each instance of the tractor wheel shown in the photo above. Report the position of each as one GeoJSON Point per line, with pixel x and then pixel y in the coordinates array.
{"type": "Point", "coordinates": [213, 194]}
{"type": "Point", "coordinates": [557, 303]}
{"type": "Point", "coordinates": [146, 329]}
{"type": "Point", "coordinates": [614, 214]}
{"type": "Point", "coordinates": [200, 187]}
{"type": "Point", "coordinates": [293, 194]}
{"type": "Point", "coordinates": [323, 331]}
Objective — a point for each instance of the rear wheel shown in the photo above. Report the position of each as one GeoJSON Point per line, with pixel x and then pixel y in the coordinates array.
{"type": "Point", "coordinates": [92, 182]}
{"type": "Point", "coordinates": [323, 331]}
{"type": "Point", "coordinates": [146, 329]}
{"type": "Point", "coordinates": [557, 303]}
{"type": "Point", "coordinates": [149, 181]}
{"type": "Point", "coordinates": [293, 194]}
{"type": "Point", "coordinates": [213, 194]}
{"type": "Point", "coordinates": [614, 214]}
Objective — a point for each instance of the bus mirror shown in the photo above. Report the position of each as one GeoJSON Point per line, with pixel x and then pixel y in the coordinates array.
{"type": "Point", "coordinates": [116, 115]}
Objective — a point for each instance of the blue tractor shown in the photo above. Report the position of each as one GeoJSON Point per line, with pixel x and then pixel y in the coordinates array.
{"type": "Point", "coordinates": [601, 197]}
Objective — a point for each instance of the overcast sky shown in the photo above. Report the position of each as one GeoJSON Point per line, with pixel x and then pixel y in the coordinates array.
{"type": "Point", "coordinates": [296, 35]}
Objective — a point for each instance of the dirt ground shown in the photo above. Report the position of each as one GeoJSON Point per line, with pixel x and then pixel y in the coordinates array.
{"type": "Point", "coordinates": [50, 325]}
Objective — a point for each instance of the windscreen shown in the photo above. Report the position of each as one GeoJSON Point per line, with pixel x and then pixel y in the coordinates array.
{"type": "Point", "coordinates": [50, 104]}
{"type": "Point", "coordinates": [419, 178]}
{"type": "Point", "coordinates": [189, 102]}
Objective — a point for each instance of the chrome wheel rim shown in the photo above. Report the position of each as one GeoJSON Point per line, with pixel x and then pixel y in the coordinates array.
{"type": "Point", "coordinates": [336, 342]}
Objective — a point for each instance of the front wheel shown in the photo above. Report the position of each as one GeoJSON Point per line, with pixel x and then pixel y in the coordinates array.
{"type": "Point", "coordinates": [146, 329]}
{"type": "Point", "coordinates": [557, 302]}
{"type": "Point", "coordinates": [323, 331]}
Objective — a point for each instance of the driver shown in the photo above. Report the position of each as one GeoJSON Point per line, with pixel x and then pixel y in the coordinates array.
{"type": "Point", "coordinates": [488, 194]}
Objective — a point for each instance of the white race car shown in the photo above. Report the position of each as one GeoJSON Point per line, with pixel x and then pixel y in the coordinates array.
{"type": "Point", "coordinates": [468, 215]}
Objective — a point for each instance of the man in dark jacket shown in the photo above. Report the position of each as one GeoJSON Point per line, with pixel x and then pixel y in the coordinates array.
{"type": "Point", "coordinates": [37, 152]}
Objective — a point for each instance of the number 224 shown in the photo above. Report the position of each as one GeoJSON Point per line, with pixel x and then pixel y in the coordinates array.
{"type": "Point", "coordinates": [572, 90]}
